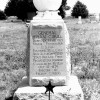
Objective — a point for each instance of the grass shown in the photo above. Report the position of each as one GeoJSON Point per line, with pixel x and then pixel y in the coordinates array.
{"type": "Point", "coordinates": [85, 55]}
{"type": "Point", "coordinates": [12, 56]}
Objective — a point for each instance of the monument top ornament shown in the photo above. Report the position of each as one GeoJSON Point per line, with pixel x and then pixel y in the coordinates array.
{"type": "Point", "coordinates": [47, 9]}
{"type": "Point", "coordinates": [47, 5]}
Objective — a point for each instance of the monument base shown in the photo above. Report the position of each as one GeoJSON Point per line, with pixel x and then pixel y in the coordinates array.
{"type": "Point", "coordinates": [71, 92]}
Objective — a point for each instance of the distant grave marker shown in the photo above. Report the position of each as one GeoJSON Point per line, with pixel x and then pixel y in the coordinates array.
{"type": "Point", "coordinates": [12, 18]}
{"type": "Point", "coordinates": [97, 17]}
{"type": "Point", "coordinates": [79, 20]}
{"type": "Point", "coordinates": [92, 19]}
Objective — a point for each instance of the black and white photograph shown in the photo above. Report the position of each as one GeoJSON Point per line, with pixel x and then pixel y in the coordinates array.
{"type": "Point", "coordinates": [49, 50]}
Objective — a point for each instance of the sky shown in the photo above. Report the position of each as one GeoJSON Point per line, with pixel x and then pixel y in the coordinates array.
{"type": "Point", "coordinates": [3, 4]}
{"type": "Point", "coordinates": [92, 5]}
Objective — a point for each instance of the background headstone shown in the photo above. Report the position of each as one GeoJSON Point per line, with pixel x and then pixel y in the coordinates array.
{"type": "Point", "coordinates": [79, 20]}
{"type": "Point", "coordinates": [92, 18]}
{"type": "Point", "coordinates": [97, 17]}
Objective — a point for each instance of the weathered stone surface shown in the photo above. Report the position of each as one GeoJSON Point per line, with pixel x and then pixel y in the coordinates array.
{"type": "Point", "coordinates": [41, 96]}
{"type": "Point", "coordinates": [55, 81]}
{"type": "Point", "coordinates": [70, 92]}
{"type": "Point", "coordinates": [41, 81]}
{"type": "Point", "coordinates": [48, 55]}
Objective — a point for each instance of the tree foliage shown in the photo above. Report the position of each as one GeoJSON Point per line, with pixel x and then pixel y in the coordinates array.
{"type": "Point", "coordinates": [23, 7]}
{"type": "Point", "coordinates": [20, 8]}
{"type": "Point", "coordinates": [11, 8]}
{"type": "Point", "coordinates": [2, 15]}
{"type": "Point", "coordinates": [79, 9]}
{"type": "Point", "coordinates": [62, 8]}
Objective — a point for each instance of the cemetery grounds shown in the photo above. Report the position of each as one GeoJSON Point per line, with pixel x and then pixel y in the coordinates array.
{"type": "Point", "coordinates": [85, 55]}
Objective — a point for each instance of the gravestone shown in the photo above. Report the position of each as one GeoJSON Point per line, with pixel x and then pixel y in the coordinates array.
{"type": "Point", "coordinates": [79, 20]}
{"type": "Point", "coordinates": [97, 17]}
{"type": "Point", "coordinates": [48, 58]}
{"type": "Point", "coordinates": [92, 18]}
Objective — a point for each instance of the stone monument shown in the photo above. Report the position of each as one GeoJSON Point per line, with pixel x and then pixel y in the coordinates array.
{"type": "Point", "coordinates": [97, 17]}
{"type": "Point", "coordinates": [48, 58]}
{"type": "Point", "coordinates": [79, 20]}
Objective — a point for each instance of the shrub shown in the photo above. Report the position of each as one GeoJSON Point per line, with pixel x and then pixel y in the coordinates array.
{"type": "Point", "coordinates": [2, 15]}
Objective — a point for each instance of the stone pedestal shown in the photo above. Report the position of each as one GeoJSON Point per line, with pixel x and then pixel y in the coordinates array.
{"type": "Point", "coordinates": [70, 92]}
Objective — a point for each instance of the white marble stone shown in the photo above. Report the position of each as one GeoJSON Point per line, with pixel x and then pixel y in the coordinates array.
{"type": "Point", "coordinates": [79, 20]}
{"type": "Point", "coordinates": [97, 16]}
{"type": "Point", "coordinates": [29, 89]}
{"type": "Point", "coordinates": [55, 81]}
{"type": "Point", "coordinates": [72, 91]}
{"type": "Point", "coordinates": [44, 5]}
{"type": "Point", "coordinates": [73, 87]}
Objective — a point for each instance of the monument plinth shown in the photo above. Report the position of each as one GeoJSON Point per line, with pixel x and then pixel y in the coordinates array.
{"type": "Point", "coordinates": [48, 58]}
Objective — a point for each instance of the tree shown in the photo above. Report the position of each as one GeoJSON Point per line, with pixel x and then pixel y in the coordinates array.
{"type": "Point", "coordinates": [79, 9]}
{"type": "Point", "coordinates": [11, 8]}
{"type": "Point", "coordinates": [62, 8]}
{"type": "Point", "coordinates": [23, 7]}
{"type": "Point", "coordinates": [20, 8]}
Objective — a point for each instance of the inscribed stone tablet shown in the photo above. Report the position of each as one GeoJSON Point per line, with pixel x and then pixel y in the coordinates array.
{"type": "Point", "coordinates": [47, 52]}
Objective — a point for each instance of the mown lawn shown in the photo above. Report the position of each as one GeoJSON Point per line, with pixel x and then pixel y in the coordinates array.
{"type": "Point", "coordinates": [85, 55]}
{"type": "Point", "coordinates": [12, 56]}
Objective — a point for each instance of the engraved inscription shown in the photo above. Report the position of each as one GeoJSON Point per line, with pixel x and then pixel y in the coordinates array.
{"type": "Point", "coordinates": [48, 52]}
